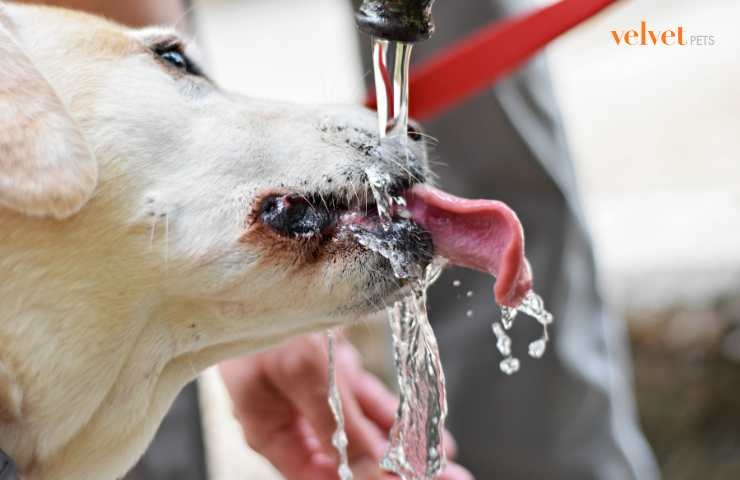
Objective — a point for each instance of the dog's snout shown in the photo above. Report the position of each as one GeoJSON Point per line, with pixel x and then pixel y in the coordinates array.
{"type": "Point", "coordinates": [294, 216]}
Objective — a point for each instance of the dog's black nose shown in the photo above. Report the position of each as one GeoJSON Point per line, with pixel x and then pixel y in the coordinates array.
{"type": "Point", "coordinates": [294, 216]}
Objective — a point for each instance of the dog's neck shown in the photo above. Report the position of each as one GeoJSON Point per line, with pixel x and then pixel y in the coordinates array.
{"type": "Point", "coordinates": [68, 382]}
{"type": "Point", "coordinates": [68, 401]}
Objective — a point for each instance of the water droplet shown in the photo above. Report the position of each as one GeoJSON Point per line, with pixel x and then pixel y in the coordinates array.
{"type": "Point", "coordinates": [456, 283]}
{"type": "Point", "coordinates": [545, 319]}
{"type": "Point", "coordinates": [509, 365]}
{"type": "Point", "coordinates": [469, 314]}
{"type": "Point", "coordinates": [531, 305]}
{"type": "Point", "coordinates": [503, 342]}
{"type": "Point", "coordinates": [508, 315]}
{"type": "Point", "coordinates": [469, 294]}
{"type": "Point", "coordinates": [537, 348]}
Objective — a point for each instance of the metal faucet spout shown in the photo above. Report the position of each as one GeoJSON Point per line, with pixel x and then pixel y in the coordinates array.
{"type": "Point", "coordinates": [397, 20]}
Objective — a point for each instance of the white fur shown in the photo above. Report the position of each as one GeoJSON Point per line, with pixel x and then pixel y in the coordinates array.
{"type": "Point", "coordinates": [106, 314]}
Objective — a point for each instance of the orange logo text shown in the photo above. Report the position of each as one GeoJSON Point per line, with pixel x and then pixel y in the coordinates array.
{"type": "Point", "coordinates": [648, 36]}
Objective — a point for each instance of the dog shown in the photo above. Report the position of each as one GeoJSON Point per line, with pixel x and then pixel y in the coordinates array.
{"type": "Point", "coordinates": [152, 225]}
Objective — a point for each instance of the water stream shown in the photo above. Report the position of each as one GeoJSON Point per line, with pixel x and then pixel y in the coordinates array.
{"type": "Point", "coordinates": [416, 450]}
{"type": "Point", "coordinates": [400, 87]}
{"type": "Point", "coordinates": [339, 439]}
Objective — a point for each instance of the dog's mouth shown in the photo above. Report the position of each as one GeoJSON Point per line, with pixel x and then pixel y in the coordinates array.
{"type": "Point", "coordinates": [481, 234]}
{"type": "Point", "coordinates": [324, 222]}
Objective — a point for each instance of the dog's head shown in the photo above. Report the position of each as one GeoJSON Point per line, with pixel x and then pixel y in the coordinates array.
{"type": "Point", "coordinates": [153, 224]}
{"type": "Point", "coordinates": [225, 202]}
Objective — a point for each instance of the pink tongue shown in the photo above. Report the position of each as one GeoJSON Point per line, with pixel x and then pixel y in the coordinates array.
{"type": "Point", "coordinates": [481, 234]}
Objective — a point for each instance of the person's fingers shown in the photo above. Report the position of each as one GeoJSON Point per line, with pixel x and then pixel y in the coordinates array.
{"type": "Point", "coordinates": [454, 471]}
{"type": "Point", "coordinates": [367, 470]}
{"type": "Point", "coordinates": [377, 402]}
{"type": "Point", "coordinates": [366, 439]}
{"type": "Point", "coordinates": [296, 457]}
{"type": "Point", "coordinates": [280, 396]}
{"type": "Point", "coordinates": [260, 407]}
{"type": "Point", "coordinates": [450, 445]}
{"type": "Point", "coordinates": [302, 376]}
{"type": "Point", "coordinates": [271, 425]}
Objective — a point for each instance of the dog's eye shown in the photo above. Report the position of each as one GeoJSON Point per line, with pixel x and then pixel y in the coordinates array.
{"type": "Point", "coordinates": [175, 58]}
{"type": "Point", "coordinates": [179, 60]}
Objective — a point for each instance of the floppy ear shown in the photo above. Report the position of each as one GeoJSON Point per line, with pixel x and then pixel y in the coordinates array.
{"type": "Point", "coordinates": [47, 168]}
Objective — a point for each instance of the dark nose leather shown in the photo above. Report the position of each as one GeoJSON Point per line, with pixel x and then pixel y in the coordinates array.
{"type": "Point", "coordinates": [294, 216]}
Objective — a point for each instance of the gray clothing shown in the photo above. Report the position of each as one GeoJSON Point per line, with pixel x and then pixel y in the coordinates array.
{"type": "Point", "coordinates": [571, 415]}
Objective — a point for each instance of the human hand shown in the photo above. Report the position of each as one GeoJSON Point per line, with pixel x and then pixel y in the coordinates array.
{"type": "Point", "coordinates": [280, 399]}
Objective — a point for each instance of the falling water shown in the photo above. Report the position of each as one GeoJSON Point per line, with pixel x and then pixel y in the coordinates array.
{"type": "Point", "coordinates": [400, 86]}
{"type": "Point", "coordinates": [401, 90]}
{"type": "Point", "coordinates": [339, 439]}
{"type": "Point", "coordinates": [380, 69]}
{"type": "Point", "coordinates": [416, 450]}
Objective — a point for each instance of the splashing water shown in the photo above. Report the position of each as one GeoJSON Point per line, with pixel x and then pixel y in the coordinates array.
{"type": "Point", "coordinates": [339, 439]}
{"type": "Point", "coordinates": [533, 306]}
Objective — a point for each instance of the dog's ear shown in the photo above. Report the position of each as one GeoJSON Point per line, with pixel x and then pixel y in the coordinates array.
{"type": "Point", "coordinates": [47, 168]}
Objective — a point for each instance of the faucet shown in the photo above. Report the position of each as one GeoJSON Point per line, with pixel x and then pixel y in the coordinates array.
{"type": "Point", "coordinates": [396, 20]}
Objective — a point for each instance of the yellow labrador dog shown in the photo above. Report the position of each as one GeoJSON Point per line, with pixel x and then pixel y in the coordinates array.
{"type": "Point", "coordinates": [152, 225]}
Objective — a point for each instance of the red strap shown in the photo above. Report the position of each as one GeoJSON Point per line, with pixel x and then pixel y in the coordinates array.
{"type": "Point", "coordinates": [479, 61]}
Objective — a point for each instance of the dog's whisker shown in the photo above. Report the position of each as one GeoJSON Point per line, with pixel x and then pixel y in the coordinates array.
{"type": "Point", "coordinates": [323, 200]}
{"type": "Point", "coordinates": [152, 232]}
{"type": "Point", "coordinates": [166, 241]}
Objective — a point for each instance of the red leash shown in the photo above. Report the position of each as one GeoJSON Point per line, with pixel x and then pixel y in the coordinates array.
{"type": "Point", "coordinates": [479, 61]}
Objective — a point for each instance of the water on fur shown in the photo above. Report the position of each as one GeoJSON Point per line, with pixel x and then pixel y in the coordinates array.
{"type": "Point", "coordinates": [379, 183]}
{"type": "Point", "coordinates": [339, 439]}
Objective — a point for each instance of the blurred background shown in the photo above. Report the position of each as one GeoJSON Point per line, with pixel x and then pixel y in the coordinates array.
{"type": "Point", "coordinates": [655, 133]}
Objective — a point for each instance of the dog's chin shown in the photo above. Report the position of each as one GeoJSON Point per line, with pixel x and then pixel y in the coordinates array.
{"type": "Point", "coordinates": [378, 289]}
